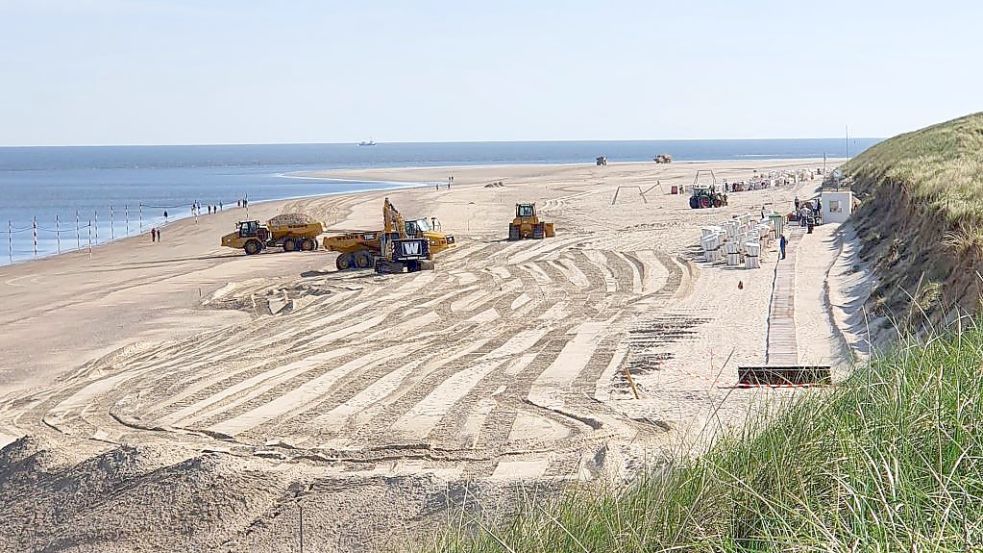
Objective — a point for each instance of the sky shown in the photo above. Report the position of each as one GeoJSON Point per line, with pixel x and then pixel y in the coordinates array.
{"type": "Point", "coordinates": [86, 72]}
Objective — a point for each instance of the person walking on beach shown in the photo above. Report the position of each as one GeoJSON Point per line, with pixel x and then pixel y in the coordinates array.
{"type": "Point", "coordinates": [153, 235]}
{"type": "Point", "coordinates": [782, 242]}
{"type": "Point", "coordinates": [221, 207]}
{"type": "Point", "coordinates": [165, 214]}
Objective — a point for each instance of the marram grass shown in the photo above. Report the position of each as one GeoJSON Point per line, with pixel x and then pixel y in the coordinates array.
{"type": "Point", "coordinates": [940, 166]}
{"type": "Point", "coordinates": [890, 460]}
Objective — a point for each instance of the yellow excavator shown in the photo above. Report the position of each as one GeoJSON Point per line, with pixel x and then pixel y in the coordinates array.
{"type": "Point", "coordinates": [527, 224]}
{"type": "Point", "coordinates": [378, 249]}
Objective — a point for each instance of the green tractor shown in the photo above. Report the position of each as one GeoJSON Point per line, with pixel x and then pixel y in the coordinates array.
{"type": "Point", "coordinates": [706, 195]}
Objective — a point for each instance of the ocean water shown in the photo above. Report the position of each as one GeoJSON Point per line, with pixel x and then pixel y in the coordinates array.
{"type": "Point", "coordinates": [114, 191]}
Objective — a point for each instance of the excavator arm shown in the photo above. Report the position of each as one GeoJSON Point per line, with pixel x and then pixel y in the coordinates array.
{"type": "Point", "coordinates": [393, 220]}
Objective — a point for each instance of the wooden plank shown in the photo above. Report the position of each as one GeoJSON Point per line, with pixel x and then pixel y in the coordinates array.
{"type": "Point", "coordinates": [782, 348]}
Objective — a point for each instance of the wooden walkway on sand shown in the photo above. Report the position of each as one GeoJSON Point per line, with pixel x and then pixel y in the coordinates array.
{"type": "Point", "coordinates": [782, 349]}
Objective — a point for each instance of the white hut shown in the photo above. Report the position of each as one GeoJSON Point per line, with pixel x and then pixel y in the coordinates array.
{"type": "Point", "coordinates": [837, 205]}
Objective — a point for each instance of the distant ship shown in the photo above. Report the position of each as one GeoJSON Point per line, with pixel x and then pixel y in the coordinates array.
{"type": "Point", "coordinates": [369, 143]}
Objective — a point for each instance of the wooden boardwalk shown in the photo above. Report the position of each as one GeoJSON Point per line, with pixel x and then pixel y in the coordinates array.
{"type": "Point", "coordinates": [782, 348]}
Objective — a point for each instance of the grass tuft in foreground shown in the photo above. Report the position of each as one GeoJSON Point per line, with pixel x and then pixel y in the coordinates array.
{"type": "Point", "coordinates": [892, 460]}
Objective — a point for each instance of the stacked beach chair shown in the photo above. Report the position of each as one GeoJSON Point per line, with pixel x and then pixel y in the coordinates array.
{"type": "Point", "coordinates": [740, 240]}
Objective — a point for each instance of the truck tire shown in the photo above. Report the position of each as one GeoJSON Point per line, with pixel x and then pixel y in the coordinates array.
{"type": "Point", "coordinates": [363, 259]}
{"type": "Point", "coordinates": [345, 262]}
{"type": "Point", "coordinates": [289, 245]}
{"type": "Point", "coordinates": [308, 245]}
{"type": "Point", "coordinates": [514, 233]}
{"type": "Point", "coordinates": [694, 203]}
{"type": "Point", "coordinates": [705, 202]}
{"type": "Point", "coordinates": [253, 247]}
{"type": "Point", "coordinates": [539, 231]}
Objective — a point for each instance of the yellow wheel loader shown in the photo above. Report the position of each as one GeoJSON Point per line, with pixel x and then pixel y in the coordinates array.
{"type": "Point", "coordinates": [527, 225]}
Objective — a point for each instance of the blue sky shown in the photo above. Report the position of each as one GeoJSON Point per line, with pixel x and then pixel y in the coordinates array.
{"type": "Point", "coordinates": [183, 72]}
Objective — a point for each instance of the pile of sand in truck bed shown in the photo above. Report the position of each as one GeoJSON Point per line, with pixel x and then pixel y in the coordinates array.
{"type": "Point", "coordinates": [285, 219]}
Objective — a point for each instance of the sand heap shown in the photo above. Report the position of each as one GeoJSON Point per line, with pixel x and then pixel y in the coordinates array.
{"type": "Point", "coordinates": [285, 219]}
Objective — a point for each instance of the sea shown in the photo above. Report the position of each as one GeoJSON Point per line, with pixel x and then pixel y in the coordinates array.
{"type": "Point", "coordinates": [58, 199]}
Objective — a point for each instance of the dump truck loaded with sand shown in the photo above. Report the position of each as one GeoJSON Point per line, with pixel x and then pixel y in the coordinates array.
{"type": "Point", "coordinates": [290, 231]}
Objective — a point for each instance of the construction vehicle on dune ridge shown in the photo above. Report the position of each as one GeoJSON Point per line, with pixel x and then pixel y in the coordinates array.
{"type": "Point", "coordinates": [527, 224]}
{"type": "Point", "coordinates": [391, 249]}
{"type": "Point", "coordinates": [290, 231]}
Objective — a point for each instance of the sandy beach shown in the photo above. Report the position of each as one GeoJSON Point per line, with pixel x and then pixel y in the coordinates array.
{"type": "Point", "coordinates": [211, 393]}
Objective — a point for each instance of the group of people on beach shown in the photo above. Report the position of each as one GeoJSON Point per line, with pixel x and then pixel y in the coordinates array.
{"type": "Point", "coordinates": [155, 234]}
{"type": "Point", "coordinates": [196, 208]}
{"type": "Point", "coordinates": [450, 180]}
{"type": "Point", "coordinates": [808, 211]}
{"type": "Point", "coordinates": [212, 209]}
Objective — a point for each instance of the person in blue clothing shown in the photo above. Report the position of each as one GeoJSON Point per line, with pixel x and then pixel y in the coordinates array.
{"type": "Point", "coordinates": [782, 241]}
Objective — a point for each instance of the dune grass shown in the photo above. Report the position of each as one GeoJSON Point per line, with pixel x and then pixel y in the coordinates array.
{"type": "Point", "coordinates": [891, 460]}
{"type": "Point", "coordinates": [941, 166]}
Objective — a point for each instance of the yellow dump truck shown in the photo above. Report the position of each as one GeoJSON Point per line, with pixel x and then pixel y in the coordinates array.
{"type": "Point", "coordinates": [361, 249]}
{"type": "Point", "coordinates": [290, 231]}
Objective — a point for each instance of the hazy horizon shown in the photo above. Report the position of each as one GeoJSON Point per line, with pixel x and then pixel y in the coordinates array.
{"type": "Point", "coordinates": [379, 142]}
{"type": "Point", "coordinates": [147, 72]}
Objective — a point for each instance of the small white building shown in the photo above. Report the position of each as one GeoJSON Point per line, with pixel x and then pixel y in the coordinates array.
{"type": "Point", "coordinates": [837, 205]}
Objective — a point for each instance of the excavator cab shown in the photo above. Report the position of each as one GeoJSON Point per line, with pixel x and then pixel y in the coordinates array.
{"type": "Point", "coordinates": [527, 225]}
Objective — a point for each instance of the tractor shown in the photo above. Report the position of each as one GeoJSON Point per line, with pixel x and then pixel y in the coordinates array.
{"type": "Point", "coordinates": [527, 225]}
{"type": "Point", "coordinates": [703, 197]}
{"type": "Point", "coordinates": [706, 195]}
